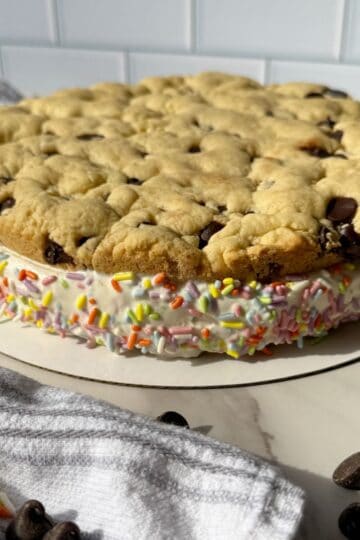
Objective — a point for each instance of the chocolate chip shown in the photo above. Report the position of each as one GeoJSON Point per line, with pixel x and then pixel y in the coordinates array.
{"type": "Point", "coordinates": [314, 95]}
{"type": "Point", "coordinates": [269, 113]}
{"type": "Point", "coordinates": [195, 123]}
{"type": "Point", "coordinates": [337, 135]}
{"type": "Point", "coordinates": [82, 240]}
{"type": "Point", "coordinates": [208, 232]}
{"type": "Point", "coordinates": [5, 179]}
{"type": "Point", "coordinates": [341, 209]}
{"type": "Point", "coordinates": [30, 523]}
{"type": "Point", "coordinates": [64, 531]}
{"type": "Point", "coordinates": [134, 181]}
{"type": "Point", "coordinates": [332, 92]}
{"type": "Point", "coordinates": [55, 254]}
{"type": "Point", "coordinates": [316, 151]}
{"type": "Point", "coordinates": [174, 418]}
{"type": "Point", "coordinates": [274, 270]}
{"type": "Point", "coordinates": [222, 208]}
{"type": "Point", "coordinates": [50, 153]}
{"type": "Point", "coordinates": [7, 203]}
{"type": "Point", "coordinates": [195, 149]}
{"type": "Point", "coordinates": [349, 522]}
{"type": "Point", "coordinates": [49, 133]}
{"type": "Point", "coordinates": [90, 137]}
{"type": "Point", "coordinates": [143, 153]}
{"type": "Point", "coordinates": [350, 240]}
{"type": "Point", "coordinates": [347, 474]}
{"type": "Point", "coordinates": [328, 123]}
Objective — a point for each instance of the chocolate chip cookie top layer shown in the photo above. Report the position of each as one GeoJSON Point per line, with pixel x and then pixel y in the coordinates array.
{"type": "Point", "coordinates": [203, 176]}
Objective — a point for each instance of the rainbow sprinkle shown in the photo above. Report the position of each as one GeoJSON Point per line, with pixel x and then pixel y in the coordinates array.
{"type": "Point", "coordinates": [151, 314]}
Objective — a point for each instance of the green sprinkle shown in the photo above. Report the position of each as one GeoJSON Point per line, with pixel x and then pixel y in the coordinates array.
{"type": "Point", "coordinates": [154, 316]}
{"type": "Point", "coordinates": [24, 299]}
{"type": "Point", "coordinates": [64, 283]}
{"type": "Point", "coordinates": [241, 341]}
{"type": "Point", "coordinates": [342, 288]}
{"type": "Point", "coordinates": [227, 290]}
{"type": "Point", "coordinates": [251, 350]}
{"type": "Point", "coordinates": [298, 315]}
{"type": "Point", "coordinates": [265, 300]}
{"type": "Point", "coordinates": [203, 304]}
{"type": "Point", "coordinates": [147, 309]}
{"type": "Point", "coordinates": [132, 316]}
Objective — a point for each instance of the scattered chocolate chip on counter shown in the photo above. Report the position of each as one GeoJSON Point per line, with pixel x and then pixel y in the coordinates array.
{"type": "Point", "coordinates": [349, 522]}
{"type": "Point", "coordinates": [30, 523]}
{"type": "Point", "coordinates": [347, 474]}
{"type": "Point", "coordinates": [174, 418]}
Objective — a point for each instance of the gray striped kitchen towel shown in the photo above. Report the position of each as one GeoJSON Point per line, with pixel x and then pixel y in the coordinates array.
{"type": "Point", "coordinates": [120, 475]}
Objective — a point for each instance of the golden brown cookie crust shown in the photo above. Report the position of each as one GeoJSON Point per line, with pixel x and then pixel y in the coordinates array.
{"type": "Point", "coordinates": [204, 176]}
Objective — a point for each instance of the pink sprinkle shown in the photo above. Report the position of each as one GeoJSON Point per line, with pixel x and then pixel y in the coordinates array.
{"type": "Point", "coordinates": [245, 294]}
{"type": "Point", "coordinates": [195, 312]}
{"type": "Point", "coordinates": [75, 276]}
{"type": "Point", "coordinates": [180, 330]}
{"type": "Point", "coordinates": [246, 332]}
{"type": "Point", "coordinates": [315, 287]}
{"type": "Point", "coordinates": [81, 286]}
{"type": "Point", "coordinates": [237, 310]}
{"type": "Point", "coordinates": [48, 280]}
{"type": "Point", "coordinates": [306, 294]}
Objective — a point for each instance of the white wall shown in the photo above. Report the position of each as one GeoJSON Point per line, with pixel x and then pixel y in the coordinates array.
{"type": "Point", "coordinates": [47, 44]}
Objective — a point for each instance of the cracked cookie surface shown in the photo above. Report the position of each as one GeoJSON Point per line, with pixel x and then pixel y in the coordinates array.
{"type": "Point", "coordinates": [204, 176]}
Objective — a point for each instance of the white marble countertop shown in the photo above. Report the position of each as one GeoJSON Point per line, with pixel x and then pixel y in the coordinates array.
{"type": "Point", "coordinates": [306, 425]}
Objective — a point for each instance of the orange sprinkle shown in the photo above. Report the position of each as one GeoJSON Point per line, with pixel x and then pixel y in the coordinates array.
{"type": "Point", "coordinates": [205, 332]}
{"type": "Point", "coordinates": [177, 302]}
{"type": "Point", "coordinates": [74, 318]}
{"type": "Point", "coordinates": [318, 321]}
{"type": "Point", "coordinates": [267, 351]}
{"type": "Point", "coordinates": [131, 341]}
{"type": "Point", "coordinates": [92, 300]}
{"type": "Point", "coordinates": [135, 327]}
{"type": "Point", "coordinates": [22, 275]}
{"type": "Point", "coordinates": [253, 340]}
{"type": "Point", "coordinates": [346, 280]}
{"type": "Point", "coordinates": [144, 342]}
{"type": "Point", "coordinates": [5, 282]}
{"type": "Point", "coordinates": [260, 331]}
{"type": "Point", "coordinates": [160, 278]}
{"type": "Point", "coordinates": [116, 285]}
{"type": "Point", "coordinates": [31, 275]}
{"type": "Point", "coordinates": [170, 286]}
{"type": "Point", "coordinates": [276, 283]}
{"type": "Point", "coordinates": [92, 315]}
{"type": "Point", "coordinates": [235, 292]}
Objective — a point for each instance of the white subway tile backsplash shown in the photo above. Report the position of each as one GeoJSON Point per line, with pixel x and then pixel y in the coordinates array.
{"type": "Point", "coordinates": [282, 28]}
{"type": "Point", "coordinates": [26, 21]}
{"type": "Point", "coordinates": [159, 24]}
{"type": "Point", "coordinates": [352, 32]}
{"type": "Point", "coordinates": [41, 70]}
{"type": "Point", "coordinates": [339, 76]}
{"type": "Point", "coordinates": [145, 65]}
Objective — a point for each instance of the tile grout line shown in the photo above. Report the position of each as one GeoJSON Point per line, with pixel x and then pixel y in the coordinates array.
{"type": "Point", "coordinates": [267, 70]}
{"type": "Point", "coordinates": [192, 15]}
{"type": "Point", "coordinates": [126, 67]}
{"type": "Point", "coordinates": [54, 21]}
{"type": "Point", "coordinates": [343, 31]}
